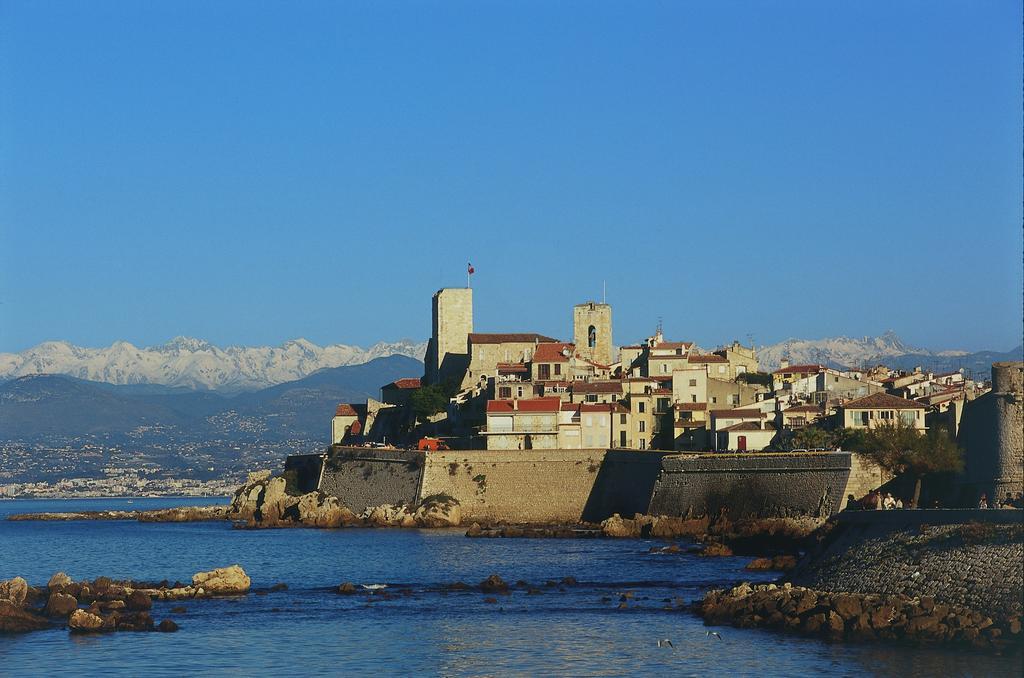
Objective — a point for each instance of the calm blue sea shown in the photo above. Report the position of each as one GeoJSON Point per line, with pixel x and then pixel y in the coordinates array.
{"type": "Point", "coordinates": [309, 630]}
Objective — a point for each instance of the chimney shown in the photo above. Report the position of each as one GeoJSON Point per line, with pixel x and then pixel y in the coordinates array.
{"type": "Point", "coordinates": [784, 363]}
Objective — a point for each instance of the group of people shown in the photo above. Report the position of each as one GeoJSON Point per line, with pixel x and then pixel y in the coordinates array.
{"type": "Point", "coordinates": [873, 501]}
{"type": "Point", "coordinates": [1008, 502]}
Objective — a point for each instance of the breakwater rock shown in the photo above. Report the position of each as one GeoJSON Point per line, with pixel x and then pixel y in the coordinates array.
{"type": "Point", "coordinates": [856, 616]}
{"type": "Point", "coordinates": [968, 558]}
{"type": "Point", "coordinates": [183, 514]}
{"type": "Point", "coordinates": [106, 605]}
{"type": "Point", "coordinates": [267, 501]}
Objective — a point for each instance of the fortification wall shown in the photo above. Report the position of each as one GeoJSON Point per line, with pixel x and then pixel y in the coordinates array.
{"type": "Point", "coordinates": [546, 486]}
{"type": "Point", "coordinates": [962, 557]}
{"type": "Point", "coordinates": [362, 477]}
{"type": "Point", "coordinates": [865, 476]}
{"type": "Point", "coordinates": [764, 485]}
{"type": "Point", "coordinates": [992, 433]}
{"type": "Point", "coordinates": [518, 486]}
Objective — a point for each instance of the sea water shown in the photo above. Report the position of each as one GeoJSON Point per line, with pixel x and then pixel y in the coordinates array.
{"type": "Point", "coordinates": [423, 629]}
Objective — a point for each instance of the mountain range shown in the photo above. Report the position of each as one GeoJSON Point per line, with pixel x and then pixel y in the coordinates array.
{"type": "Point", "coordinates": [196, 364]}
{"type": "Point", "coordinates": [887, 349]}
{"type": "Point", "coordinates": [51, 406]}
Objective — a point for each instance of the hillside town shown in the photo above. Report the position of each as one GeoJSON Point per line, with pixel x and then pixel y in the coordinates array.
{"type": "Point", "coordinates": [524, 390]}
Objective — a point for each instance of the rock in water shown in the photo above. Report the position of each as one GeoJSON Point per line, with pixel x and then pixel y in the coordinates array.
{"type": "Point", "coordinates": [84, 622]}
{"type": "Point", "coordinates": [137, 601]}
{"type": "Point", "coordinates": [167, 626]}
{"type": "Point", "coordinates": [223, 581]}
{"type": "Point", "coordinates": [60, 605]}
{"type": "Point", "coordinates": [13, 619]}
{"type": "Point", "coordinates": [58, 582]}
{"type": "Point", "coordinates": [494, 584]}
{"type": "Point", "coordinates": [14, 590]}
{"type": "Point", "coordinates": [439, 512]}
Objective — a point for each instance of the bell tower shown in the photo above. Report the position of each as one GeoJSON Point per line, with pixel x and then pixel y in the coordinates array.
{"type": "Point", "coordinates": [592, 331]}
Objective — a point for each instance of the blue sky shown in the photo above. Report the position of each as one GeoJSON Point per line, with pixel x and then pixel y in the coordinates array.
{"type": "Point", "coordinates": [253, 172]}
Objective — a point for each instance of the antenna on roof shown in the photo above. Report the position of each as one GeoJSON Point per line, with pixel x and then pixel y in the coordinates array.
{"type": "Point", "coordinates": [604, 291]}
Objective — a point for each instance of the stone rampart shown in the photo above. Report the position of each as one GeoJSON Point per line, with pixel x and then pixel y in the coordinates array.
{"type": "Point", "coordinates": [518, 486]}
{"type": "Point", "coordinates": [361, 477]}
{"type": "Point", "coordinates": [568, 486]}
{"type": "Point", "coordinates": [973, 558]}
{"type": "Point", "coordinates": [764, 485]}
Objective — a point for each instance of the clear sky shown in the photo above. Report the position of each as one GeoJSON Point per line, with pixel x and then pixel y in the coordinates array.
{"type": "Point", "coordinates": [251, 172]}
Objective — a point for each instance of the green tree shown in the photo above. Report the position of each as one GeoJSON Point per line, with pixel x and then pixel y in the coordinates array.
{"type": "Point", "coordinates": [813, 438]}
{"type": "Point", "coordinates": [900, 448]}
{"type": "Point", "coordinates": [428, 401]}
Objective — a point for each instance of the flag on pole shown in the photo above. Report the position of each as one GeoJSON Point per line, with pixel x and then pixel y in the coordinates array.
{"type": "Point", "coordinates": [469, 269]}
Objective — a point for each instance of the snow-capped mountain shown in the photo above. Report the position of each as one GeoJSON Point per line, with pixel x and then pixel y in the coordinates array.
{"type": "Point", "coordinates": [843, 351]}
{"type": "Point", "coordinates": [196, 364]}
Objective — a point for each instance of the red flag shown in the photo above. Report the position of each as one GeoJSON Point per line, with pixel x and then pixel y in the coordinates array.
{"type": "Point", "coordinates": [470, 269]}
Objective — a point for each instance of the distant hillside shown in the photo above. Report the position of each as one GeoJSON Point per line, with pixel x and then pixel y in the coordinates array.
{"type": "Point", "coordinates": [887, 349]}
{"type": "Point", "coordinates": [195, 364]}
{"type": "Point", "coordinates": [46, 406]}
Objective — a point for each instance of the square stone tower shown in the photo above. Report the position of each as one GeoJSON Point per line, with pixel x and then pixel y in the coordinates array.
{"type": "Point", "coordinates": [592, 331]}
{"type": "Point", "coordinates": [448, 350]}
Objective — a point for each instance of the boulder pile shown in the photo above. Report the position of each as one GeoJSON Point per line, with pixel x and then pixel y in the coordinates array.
{"type": "Point", "coordinates": [105, 605]}
{"type": "Point", "coordinates": [855, 616]}
{"type": "Point", "coordinates": [264, 502]}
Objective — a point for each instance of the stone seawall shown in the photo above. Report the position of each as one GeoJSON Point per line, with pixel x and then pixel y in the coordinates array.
{"type": "Point", "coordinates": [362, 477]}
{"type": "Point", "coordinates": [519, 487]}
{"type": "Point", "coordinates": [569, 486]}
{"type": "Point", "coordinates": [959, 557]}
{"type": "Point", "coordinates": [763, 485]}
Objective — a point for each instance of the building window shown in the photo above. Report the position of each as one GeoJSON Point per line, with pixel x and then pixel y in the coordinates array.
{"type": "Point", "coordinates": [558, 368]}
{"type": "Point", "coordinates": [505, 392]}
{"type": "Point", "coordinates": [643, 443]}
{"type": "Point", "coordinates": [714, 400]}
{"type": "Point", "coordinates": [686, 416]}
{"type": "Point", "coordinates": [664, 368]}
{"type": "Point", "coordinates": [641, 426]}
{"type": "Point", "coordinates": [544, 371]}
{"type": "Point", "coordinates": [519, 391]}
{"type": "Point", "coordinates": [735, 399]}
{"type": "Point", "coordinates": [591, 397]}
{"type": "Point", "coordinates": [693, 398]}
{"type": "Point", "coordinates": [622, 420]}
{"type": "Point", "coordinates": [592, 337]}
{"type": "Point", "coordinates": [640, 406]}
{"type": "Point", "coordinates": [693, 382]}
{"type": "Point", "coordinates": [588, 420]}
{"type": "Point", "coordinates": [863, 418]}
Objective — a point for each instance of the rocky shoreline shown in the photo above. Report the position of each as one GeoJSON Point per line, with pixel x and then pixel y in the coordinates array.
{"type": "Point", "coordinates": [109, 605]}
{"type": "Point", "coordinates": [858, 617]}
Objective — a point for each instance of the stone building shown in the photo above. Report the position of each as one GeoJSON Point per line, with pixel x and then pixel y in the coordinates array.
{"type": "Point", "coordinates": [881, 409]}
{"type": "Point", "coordinates": [592, 332]}
{"type": "Point", "coordinates": [448, 349]}
{"type": "Point", "coordinates": [992, 435]}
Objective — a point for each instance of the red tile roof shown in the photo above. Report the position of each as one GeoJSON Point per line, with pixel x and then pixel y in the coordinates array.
{"type": "Point", "coordinates": [800, 369]}
{"type": "Point", "coordinates": [407, 382]}
{"type": "Point", "coordinates": [570, 407]}
{"type": "Point", "coordinates": [553, 352]}
{"type": "Point", "coordinates": [691, 407]}
{"type": "Point", "coordinates": [597, 387]}
{"type": "Point", "coordinates": [749, 426]}
{"type": "Point", "coordinates": [512, 368]}
{"type": "Point", "coordinates": [547, 404]}
{"type": "Point", "coordinates": [507, 338]}
{"type": "Point", "coordinates": [706, 358]}
{"type": "Point", "coordinates": [803, 408]}
{"type": "Point", "coordinates": [738, 414]}
{"type": "Point", "coordinates": [882, 401]}
{"type": "Point", "coordinates": [345, 410]}
{"type": "Point", "coordinates": [598, 407]}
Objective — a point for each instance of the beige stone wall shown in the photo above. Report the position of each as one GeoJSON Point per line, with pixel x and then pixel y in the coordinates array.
{"type": "Point", "coordinates": [485, 358]}
{"type": "Point", "coordinates": [528, 486]}
{"type": "Point", "coordinates": [452, 324]}
{"type": "Point", "coordinates": [338, 425]}
{"type": "Point", "coordinates": [864, 477]}
{"type": "Point", "coordinates": [600, 317]}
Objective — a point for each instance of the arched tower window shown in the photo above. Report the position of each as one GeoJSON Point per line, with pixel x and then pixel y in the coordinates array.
{"type": "Point", "coordinates": [592, 337]}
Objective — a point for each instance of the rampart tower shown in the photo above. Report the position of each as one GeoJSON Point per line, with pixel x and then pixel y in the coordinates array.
{"type": "Point", "coordinates": [994, 438]}
{"type": "Point", "coordinates": [448, 349]}
{"type": "Point", "coordinates": [592, 331]}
